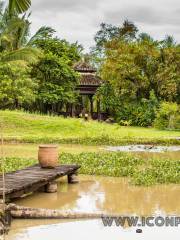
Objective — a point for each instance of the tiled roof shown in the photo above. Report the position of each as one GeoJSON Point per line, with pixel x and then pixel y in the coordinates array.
{"type": "Point", "coordinates": [90, 80]}
{"type": "Point", "coordinates": [84, 67]}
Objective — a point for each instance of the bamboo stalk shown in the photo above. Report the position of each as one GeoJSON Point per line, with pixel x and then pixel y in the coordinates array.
{"type": "Point", "coordinates": [3, 203]}
{"type": "Point", "coordinates": [3, 166]}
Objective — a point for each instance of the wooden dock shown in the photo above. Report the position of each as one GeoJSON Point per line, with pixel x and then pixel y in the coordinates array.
{"type": "Point", "coordinates": [32, 178]}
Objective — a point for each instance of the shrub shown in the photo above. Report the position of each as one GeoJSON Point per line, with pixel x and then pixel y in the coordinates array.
{"type": "Point", "coordinates": [168, 116]}
{"type": "Point", "coordinates": [140, 113]}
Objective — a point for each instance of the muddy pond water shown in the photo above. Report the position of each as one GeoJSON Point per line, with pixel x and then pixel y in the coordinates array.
{"type": "Point", "coordinates": [160, 152]}
{"type": "Point", "coordinates": [100, 194]}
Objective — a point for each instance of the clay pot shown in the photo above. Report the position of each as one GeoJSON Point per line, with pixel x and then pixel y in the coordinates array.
{"type": "Point", "coordinates": [48, 156]}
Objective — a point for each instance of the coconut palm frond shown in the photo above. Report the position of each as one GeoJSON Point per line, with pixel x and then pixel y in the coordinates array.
{"type": "Point", "coordinates": [13, 25]}
{"type": "Point", "coordinates": [19, 6]}
{"type": "Point", "coordinates": [19, 29]}
{"type": "Point", "coordinates": [43, 33]}
{"type": "Point", "coordinates": [169, 41]}
{"type": "Point", "coordinates": [29, 55]}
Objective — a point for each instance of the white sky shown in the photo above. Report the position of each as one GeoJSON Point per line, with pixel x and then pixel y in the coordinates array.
{"type": "Point", "coordinates": [79, 20]}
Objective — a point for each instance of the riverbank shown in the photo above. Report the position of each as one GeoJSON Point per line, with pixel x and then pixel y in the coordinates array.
{"type": "Point", "coordinates": [21, 127]}
{"type": "Point", "coordinates": [138, 170]}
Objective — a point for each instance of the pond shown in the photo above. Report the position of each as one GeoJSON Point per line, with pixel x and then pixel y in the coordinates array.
{"type": "Point", "coordinates": [99, 194]}
{"type": "Point", "coordinates": [160, 152]}
{"type": "Point", "coordinates": [149, 151]}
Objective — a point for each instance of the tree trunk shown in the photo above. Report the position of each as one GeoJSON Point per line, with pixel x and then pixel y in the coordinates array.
{"type": "Point", "coordinates": [38, 213]}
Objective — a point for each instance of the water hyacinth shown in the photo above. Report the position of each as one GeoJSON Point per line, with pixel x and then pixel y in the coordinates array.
{"type": "Point", "coordinates": [115, 164]}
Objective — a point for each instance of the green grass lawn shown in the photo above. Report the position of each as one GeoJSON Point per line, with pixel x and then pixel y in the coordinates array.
{"type": "Point", "coordinates": [33, 128]}
{"type": "Point", "coordinates": [28, 130]}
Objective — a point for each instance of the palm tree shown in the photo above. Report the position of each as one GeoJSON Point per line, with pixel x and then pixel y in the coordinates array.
{"type": "Point", "coordinates": [18, 6]}
{"type": "Point", "coordinates": [128, 30]}
{"type": "Point", "coordinates": [169, 41]}
{"type": "Point", "coordinates": [15, 41]}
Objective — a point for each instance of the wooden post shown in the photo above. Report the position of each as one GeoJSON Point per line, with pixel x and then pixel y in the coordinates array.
{"type": "Point", "coordinates": [83, 107]}
{"type": "Point", "coordinates": [99, 110]}
{"type": "Point", "coordinates": [72, 110]}
{"type": "Point", "coordinates": [5, 219]}
{"type": "Point", "coordinates": [67, 109]}
{"type": "Point", "coordinates": [73, 178]}
{"type": "Point", "coordinates": [51, 187]}
{"type": "Point", "coordinates": [91, 105]}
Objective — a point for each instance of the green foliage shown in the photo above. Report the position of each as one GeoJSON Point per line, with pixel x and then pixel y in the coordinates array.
{"type": "Point", "coordinates": [19, 6]}
{"type": "Point", "coordinates": [14, 164]}
{"type": "Point", "coordinates": [51, 75]}
{"type": "Point", "coordinates": [133, 70]}
{"type": "Point", "coordinates": [138, 114]}
{"type": "Point", "coordinates": [44, 33]}
{"type": "Point", "coordinates": [55, 76]}
{"type": "Point", "coordinates": [70, 53]}
{"type": "Point", "coordinates": [158, 172]}
{"type": "Point", "coordinates": [168, 116]}
{"type": "Point", "coordinates": [107, 164]}
{"type": "Point", "coordinates": [16, 86]}
{"type": "Point", "coordinates": [14, 35]}
{"type": "Point", "coordinates": [107, 33]}
{"type": "Point", "coordinates": [140, 172]}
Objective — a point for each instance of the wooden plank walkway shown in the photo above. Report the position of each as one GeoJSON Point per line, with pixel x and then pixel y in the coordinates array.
{"type": "Point", "coordinates": [32, 178]}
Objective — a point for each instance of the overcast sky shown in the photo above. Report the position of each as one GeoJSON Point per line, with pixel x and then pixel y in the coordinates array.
{"type": "Point", "coordinates": [78, 20]}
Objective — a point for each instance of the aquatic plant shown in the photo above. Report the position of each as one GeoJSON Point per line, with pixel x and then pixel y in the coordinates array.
{"type": "Point", "coordinates": [139, 171]}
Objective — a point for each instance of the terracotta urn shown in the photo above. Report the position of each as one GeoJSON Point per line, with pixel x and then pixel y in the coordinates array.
{"type": "Point", "coordinates": [48, 156]}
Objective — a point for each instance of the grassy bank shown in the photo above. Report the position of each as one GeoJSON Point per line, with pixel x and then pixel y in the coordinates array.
{"type": "Point", "coordinates": [33, 128]}
{"type": "Point", "coordinates": [139, 171]}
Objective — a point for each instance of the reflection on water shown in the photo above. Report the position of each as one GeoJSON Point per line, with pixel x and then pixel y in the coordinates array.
{"type": "Point", "coordinates": [108, 194]}
{"type": "Point", "coordinates": [156, 152]}
{"type": "Point", "coordinates": [96, 194]}
{"type": "Point", "coordinates": [91, 230]}
{"type": "Point", "coordinates": [30, 150]}
{"type": "Point", "coordinates": [144, 148]}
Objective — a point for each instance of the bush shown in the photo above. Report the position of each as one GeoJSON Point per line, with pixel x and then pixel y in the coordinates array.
{"type": "Point", "coordinates": [168, 116]}
{"type": "Point", "coordinates": [140, 113]}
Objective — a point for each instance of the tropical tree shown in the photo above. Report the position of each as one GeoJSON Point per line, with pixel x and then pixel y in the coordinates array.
{"type": "Point", "coordinates": [55, 75]}
{"type": "Point", "coordinates": [107, 33]}
{"type": "Point", "coordinates": [17, 52]}
{"type": "Point", "coordinates": [17, 89]}
{"type": "Point", "coordinates": [132, 70]}
{"type": "Point", "coordinates": [18, 6]}
{"type": "Point", "coordinates": [169, 41]}
{"type": "Point", "coordinates": [15, 40]}
{"type": "Point", "coordinates": [13, 36]}
{"type": "Point", "coordinates": [128, 30]}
